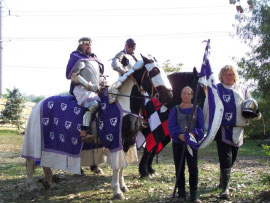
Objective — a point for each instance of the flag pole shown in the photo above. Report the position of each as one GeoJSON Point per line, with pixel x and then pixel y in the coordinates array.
{"type": "Point", "coordinates": [189, 126]}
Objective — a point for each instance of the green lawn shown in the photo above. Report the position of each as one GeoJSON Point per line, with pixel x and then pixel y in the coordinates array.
{"type": "Point", "coordinates": [250, 177]}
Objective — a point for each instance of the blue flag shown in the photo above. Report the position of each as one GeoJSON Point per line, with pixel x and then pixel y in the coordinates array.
{"type": "Point", "coordinates": [213, 107]}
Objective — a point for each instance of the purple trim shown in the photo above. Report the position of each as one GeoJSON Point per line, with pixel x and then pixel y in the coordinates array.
{"type": "Point", "coordinates": [30, 157]}
{"type": "Point", "coordinates": [229, 141]}
{"type": "Point", "coordinates": [41, 126]}
{"type": "Point", "coordinates": [73, 67]}
{"type": "Point", "coordinates": [59, 152]}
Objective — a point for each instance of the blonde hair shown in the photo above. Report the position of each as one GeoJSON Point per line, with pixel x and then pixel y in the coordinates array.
{"type": "Point", "coordinates": [187, 87]}
{"type": "Point", "coordinates": [224, 70]}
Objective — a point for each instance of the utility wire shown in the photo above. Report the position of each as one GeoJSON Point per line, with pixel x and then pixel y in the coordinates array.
{"type": "Point", "coordinates": [145, 36]}
{"type": "Point", "coordinates": [34, 67]}
{"type": "Point", "coordinates": [123, 9]}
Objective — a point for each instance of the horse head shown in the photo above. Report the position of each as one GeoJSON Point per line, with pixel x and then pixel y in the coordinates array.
{"type": "Point", "coordinates": [179, 81]}
{"type": "Point", "coordinates": [153, 80]}
{"type": "Point", "coordinates": [149, 77]}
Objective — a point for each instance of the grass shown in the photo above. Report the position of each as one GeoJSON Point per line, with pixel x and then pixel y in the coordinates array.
{"type": "Point", "coordinates": [250, 180]}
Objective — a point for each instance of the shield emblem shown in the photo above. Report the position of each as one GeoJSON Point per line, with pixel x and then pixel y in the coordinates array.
{"type": "Point", "coordinates": [62, 138]}
{"type": "Point", "coordinates": [63, 106]}
{"type": "Point", "coordinates": [79, 127]}
{"type": "Point", "coordinates": [103, 106]}
{"type": "Point", "coordinates": [55, 121]}
{"type": "Point", "coordinates": [45, 121]}
{"type": "Point", "coordinates": [113, 121]}
{"type": "Point", "coordinates": [50, 104]}
{"type": "Point", "coordinates": [77, 110]}
{"type": "Point", "coordinates": [74, 141]}
{"type": "Point", "coordinates": [228, 116]}
{"type": "Point", "coordinates": [100, 124]}
{"type": "Point", "coordinates": [109, 137]}
{"type": "Point", "coordinates": [52, 135]}
{"type": "Point", "coordinates": [68, 124]}
{"type": "Point", "coordinates": [226, 97]}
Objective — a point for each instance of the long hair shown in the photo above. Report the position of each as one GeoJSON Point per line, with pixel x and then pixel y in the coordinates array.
{"type": "Point", "coordinates": [224, 70]}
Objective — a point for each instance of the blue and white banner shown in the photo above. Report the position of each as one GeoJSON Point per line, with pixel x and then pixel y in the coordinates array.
{"type": "Point", "coordinates": [213, 107]}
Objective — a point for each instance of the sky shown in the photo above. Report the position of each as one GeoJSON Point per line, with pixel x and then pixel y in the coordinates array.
{"type": "Point", "coordinates": [38, 36]}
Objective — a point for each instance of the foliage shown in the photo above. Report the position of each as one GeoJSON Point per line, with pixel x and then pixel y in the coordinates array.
{"type": "Point", "coordinates": [259, 129]}
{"type": "Point", "coordinates": [169, 68]}
{"type": "Point", "coordinates": [249, 180]}
{"type": "Point", "coordinates": [33, 98]}
{"type": "Point", "coordinates": [266, 149]}
{"type": "Point", "coordinates": [14, 105]}
{"type": "Point", "coordinates": [253, 28]}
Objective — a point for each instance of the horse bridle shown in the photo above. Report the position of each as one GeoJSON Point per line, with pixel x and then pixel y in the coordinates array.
{"type": "Point", "coordinates": [155, 71]}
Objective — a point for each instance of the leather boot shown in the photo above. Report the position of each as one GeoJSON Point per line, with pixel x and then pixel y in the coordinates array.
{"type": "Point", "coordinates": [225, 173]}
{"type": "Point", "coordinates": [194, 197]}
{"type": "Point", "coordinates": [220, 181]}
{"type": "Point", "coordinates": [181, 195]}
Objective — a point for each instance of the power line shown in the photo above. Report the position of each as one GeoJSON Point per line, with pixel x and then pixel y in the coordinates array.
{"type": "Point", "coordinates": [221, 33]}
{"type": "Point", "coordinates": [34, 67]}
{"type": "Point", "coordinates": [215, 13]}
{"type": "Point", "coordinates": [206, 10]}
{"type": "Point", "coordinates": [123, 9]}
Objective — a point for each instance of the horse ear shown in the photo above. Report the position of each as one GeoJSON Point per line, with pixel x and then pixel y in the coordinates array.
{"type": "Point", "coordinates": [145, 60]}
{"type": "Point", "coordinates": [195, 72]}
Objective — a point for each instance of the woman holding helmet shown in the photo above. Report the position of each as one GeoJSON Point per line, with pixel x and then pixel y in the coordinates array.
{"type": "Point", "coordinates": [239, 107]}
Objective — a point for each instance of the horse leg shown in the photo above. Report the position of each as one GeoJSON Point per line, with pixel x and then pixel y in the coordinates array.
{"type": "Point", "coordinates": [123, 186]}
{"type": "Point", "coordinates": [48, 175]}
{"type": "Point", "coordinates": [150, 161]}
{"type": "Point", "coordinates": [30, 183]}
{"type": "Point", "coordinates": [117, 193]}
{"type": "Point", "coordinates": [96, 170]}
{"type": "Point", "coordinates": [143, 164]}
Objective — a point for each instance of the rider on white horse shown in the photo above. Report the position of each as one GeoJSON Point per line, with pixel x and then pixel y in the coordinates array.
{"type": "Point", "coordinates": [123, 63]}
{"type": "Point", "coordinates": [86, 79]}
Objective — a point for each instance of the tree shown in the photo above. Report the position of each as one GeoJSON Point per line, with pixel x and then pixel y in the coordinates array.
{"type": "Point", "coordinates": [14, 105]}
{"type": "Point", "coordinates": [33, 98]}
{"type": "Point", "coordinates": [169, 68]}
{"type": "Point", "coordinates": [253, 28]}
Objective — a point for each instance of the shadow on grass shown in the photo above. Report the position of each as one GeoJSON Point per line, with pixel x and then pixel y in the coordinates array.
{"type": "Point", "coordinates": [66, 188]}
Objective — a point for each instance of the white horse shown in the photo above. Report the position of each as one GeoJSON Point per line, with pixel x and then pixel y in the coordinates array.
{"type": "Point", "coordinates": [148, 78]}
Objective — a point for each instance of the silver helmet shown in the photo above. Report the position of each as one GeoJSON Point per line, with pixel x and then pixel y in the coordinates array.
{"type": "Point", "coordinates": [250, 108]}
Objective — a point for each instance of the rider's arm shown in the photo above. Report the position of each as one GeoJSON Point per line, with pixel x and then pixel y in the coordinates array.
{"type": "Point", "coordinates": [78, 79]}
{"type": "Point", "coordinates": [116, 63]}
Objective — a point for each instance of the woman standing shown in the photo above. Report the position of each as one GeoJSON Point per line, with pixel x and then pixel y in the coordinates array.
{"type": "Point", "coordinates": [178, 123]}
{"type": "Point", "coordinates": [230, 134]}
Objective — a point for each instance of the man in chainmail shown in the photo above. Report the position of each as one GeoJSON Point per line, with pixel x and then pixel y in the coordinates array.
{"type": "Point", "coordinates": [123, 63]}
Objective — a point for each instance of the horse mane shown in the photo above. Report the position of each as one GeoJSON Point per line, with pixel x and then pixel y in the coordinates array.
{"type": "Point", "coordinates": [181, 79]}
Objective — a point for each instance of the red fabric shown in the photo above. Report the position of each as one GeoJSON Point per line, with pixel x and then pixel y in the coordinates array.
{"type": "Point", "coordinates": [150, 142]}
{"type": "Point", "coordinates": [160, 135]}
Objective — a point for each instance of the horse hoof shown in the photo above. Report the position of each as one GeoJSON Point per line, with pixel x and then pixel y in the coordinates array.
{"type": "Point", "coordinates": [45, 184]}
{"type": "Point", "coordinates": [98, 171]}
{"type": "Point", "coordinates": [118, 196]}
{"type": "Point", "coordinates": [154, 174]}
{"type": "Point", "coordinates": [32, 189]}
{"type": "Point", "coordinates": [124, 189]}
{"type": "Point", "coordinates": [144, 176]}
